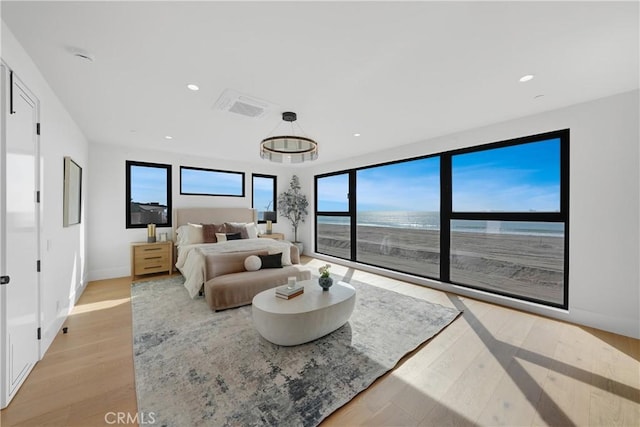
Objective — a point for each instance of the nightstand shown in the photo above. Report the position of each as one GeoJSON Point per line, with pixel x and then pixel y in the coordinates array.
{"type": "Point", "coordinates": [274, 236]}
{"type": "Point", "coordinates": [147, 258]}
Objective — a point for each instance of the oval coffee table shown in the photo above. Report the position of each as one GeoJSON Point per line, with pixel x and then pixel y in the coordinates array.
{"type": "Point", "coordinates": [304, 318]}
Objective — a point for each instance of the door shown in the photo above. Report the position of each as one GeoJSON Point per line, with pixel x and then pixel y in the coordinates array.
{"type": "Point", "coordinates": [20, 235]}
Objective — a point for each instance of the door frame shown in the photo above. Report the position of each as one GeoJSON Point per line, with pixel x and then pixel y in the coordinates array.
{"type": "Point", "coordinates": [7, 78]}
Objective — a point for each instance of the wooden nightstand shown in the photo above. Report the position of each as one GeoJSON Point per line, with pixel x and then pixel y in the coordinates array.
{"type": "Point", "coordinates": [149, 258]}
{"type": "Point", "coordinates": [274, 236]}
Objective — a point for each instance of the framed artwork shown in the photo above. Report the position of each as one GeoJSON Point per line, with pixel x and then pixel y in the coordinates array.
{"type": "Point", "coordinates": [72, 206]}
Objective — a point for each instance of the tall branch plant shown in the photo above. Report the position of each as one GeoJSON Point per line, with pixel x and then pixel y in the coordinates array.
{"type": "Point", "coordinates": [292, 205]}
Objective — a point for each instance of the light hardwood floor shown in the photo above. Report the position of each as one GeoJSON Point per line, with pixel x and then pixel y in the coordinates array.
{"type": "Point", "coordinates": [491, 366]}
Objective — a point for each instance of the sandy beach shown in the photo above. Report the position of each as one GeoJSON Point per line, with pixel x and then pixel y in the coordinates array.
{"type": "Point", "coordinates": [527, 265]}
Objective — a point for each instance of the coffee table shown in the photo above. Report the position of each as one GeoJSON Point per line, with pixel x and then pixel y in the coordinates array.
{"type": "Point", "coordinates": [304, 318]}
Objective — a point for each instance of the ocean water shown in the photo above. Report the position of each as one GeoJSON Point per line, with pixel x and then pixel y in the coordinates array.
{"type": "Point", "coordinates": [431, 221]}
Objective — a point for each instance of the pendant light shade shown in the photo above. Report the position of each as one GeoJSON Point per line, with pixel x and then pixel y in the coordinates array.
{"type": "Point", "coordinates": [290, 147]}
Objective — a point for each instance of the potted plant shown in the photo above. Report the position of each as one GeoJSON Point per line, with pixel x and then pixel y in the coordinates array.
{"type": "Point", "coordinates": [292, 205]}
{"type": "Point", "coordinates": [325, 281]}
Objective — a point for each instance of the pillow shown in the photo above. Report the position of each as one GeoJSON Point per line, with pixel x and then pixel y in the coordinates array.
{"type": "Point", "coordinates": [190, 234]}
{"type": "Point", "coordinates": [252, 263]}
{"type": "Point", "coordinates": [252, 230]}
{"type": "Point", "coordinates": [209, 232]}
{"type": "Point", "coordinates": [285, 254]}
{"type": "Point", "coordinates": [236, 227]}
{"type": "Point", "coordinates": [181, 235]}
{"type": "Point", "coordinates": [224, 237]}
{"type": "Point", "coordinates": [271, 261]}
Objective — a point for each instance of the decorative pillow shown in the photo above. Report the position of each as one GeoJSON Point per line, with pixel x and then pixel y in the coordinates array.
{"type": "Point", "coordinates": [252, 230]}
{"type": "Point", "coordinates": [236, 227]}
{"type": "Point", "coordinates": [190, 234]}
{"type": "Point", "coordinates": [252, 263]}
{"type": "Point", "coordinates": [271, 261]}
{"type": "Point", "coordinates": [233, 236]}
{"type": "Point", "coordinates": [221, 237]}
{"type": "Point", "coordinates": [285, 254]}
{"type": "Point", "coordinates": [209, 232]}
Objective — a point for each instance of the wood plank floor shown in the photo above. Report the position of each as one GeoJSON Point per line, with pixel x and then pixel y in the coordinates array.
{"type": "Point", "coordinates": [492, 366]}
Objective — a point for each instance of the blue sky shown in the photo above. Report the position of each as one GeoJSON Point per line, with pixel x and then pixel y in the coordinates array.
{"type": "Point", "coordinates": [520, 178]}
{"type": "Point", "coordinates": [149, 184]}
{"type": "Point", "coordinates": [262, 193]}
{"type": "Point", "coordinates": [211, 182]}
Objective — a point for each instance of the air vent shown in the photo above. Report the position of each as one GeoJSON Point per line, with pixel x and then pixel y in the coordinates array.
{"type": "Point", "coordinates": [235, 102]}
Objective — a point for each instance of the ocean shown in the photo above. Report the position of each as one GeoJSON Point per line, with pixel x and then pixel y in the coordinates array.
{"type": "Point", "coordinates": [431, 221]}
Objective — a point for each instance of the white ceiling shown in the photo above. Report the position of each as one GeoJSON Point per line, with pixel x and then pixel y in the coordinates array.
{"type": "Point", "coordinates": [396, 73]}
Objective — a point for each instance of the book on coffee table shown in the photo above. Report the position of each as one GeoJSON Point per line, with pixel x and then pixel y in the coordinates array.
{"type": "Point", "coordinates": [286, 291]}
{"type": "Point", "coordinates": [300, 292]}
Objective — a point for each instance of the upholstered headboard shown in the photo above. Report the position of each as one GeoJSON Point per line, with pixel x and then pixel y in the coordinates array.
{"type": "Point", "coordinates": [182, 216]}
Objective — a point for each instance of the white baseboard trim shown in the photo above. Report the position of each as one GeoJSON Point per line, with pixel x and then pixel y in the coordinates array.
{"type": "Point", "coordinates": [108, 273]}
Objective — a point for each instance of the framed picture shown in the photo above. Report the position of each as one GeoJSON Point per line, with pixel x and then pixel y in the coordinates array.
{"type": "Point", "coordinates": [72, 206]}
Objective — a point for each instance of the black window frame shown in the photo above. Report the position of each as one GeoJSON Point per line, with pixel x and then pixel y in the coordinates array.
{"type": "Point", "coordinates": [447, 214]}
{"type": "Point", "coordinates": [351, 213]}
{"type": "Point", "coordinates": [275, 196]}
{"type": "Point", "coordinates": [168, 168]}
{"type": "Point", "coordinates": [242, 174]}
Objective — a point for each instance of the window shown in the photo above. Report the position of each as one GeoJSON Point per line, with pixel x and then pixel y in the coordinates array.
{"type": "Point", "coordinates": [211, 182]}
{"type": "Point", "coordinates": [333, 215]}
{"type": "Point", "coordinates": [264, 195]}
{"type": "Point", "coordinates": [148, 194]}
{"type": "Point", "coordinates": [508, 218]}
{"type": "Point", "coordinates": [492, 217]}
{"type": "Point", "coordinates": [398, 216]}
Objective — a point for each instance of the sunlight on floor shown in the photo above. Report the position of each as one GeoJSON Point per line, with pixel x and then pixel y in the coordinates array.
{"type": "Point", "coordinates": [102, 305]}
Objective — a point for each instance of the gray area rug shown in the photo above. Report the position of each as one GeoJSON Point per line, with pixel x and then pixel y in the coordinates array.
{"type": "Point", "coordinates": [198, 367]}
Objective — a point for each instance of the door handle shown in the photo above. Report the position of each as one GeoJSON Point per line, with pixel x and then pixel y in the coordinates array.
{"type": "Point", "coordinates": [4, 280]}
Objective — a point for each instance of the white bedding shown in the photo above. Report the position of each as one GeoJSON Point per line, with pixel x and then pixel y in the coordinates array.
{"type": "Point", "coordinates": [191, 257]}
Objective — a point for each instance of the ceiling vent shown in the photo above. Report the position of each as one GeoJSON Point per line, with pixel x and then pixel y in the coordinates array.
{"type": "Point", "coordinates": [245, 105]}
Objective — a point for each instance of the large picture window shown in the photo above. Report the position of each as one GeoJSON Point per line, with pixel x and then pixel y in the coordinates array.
{"type": "Point", "coordinates": [148, 194]}
{"type": "Point", "coordinates": [264, 196]}
{"type": "Point", "coordinates": [508, 218]}
{"type": "Point", "coordinates": [398, 216]}
{"type": "Point", "coordinates": [492, 217]}
{"type": "Point", "coordinates": [211, 182]}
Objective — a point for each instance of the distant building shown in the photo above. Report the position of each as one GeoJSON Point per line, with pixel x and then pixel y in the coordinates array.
{"type": "Point", "coordinates": [148, 213]}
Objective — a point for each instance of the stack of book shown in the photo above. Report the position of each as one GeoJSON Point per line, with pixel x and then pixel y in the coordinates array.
{"type": "Point", "coordinates": [287, 292]}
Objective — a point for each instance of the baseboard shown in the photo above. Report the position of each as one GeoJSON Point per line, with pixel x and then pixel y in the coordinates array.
{"type": "Point", "coordinates": [108, 273]}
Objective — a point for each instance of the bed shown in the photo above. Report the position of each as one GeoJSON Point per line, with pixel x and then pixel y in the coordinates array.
{"type": "Point", "coordinates": [191, 251]}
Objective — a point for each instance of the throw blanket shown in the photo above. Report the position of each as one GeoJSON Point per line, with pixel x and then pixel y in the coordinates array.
{"type": "Point", "coordinates": [191, 257]}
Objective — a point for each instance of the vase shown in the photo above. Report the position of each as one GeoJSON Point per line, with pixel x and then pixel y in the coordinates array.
{"type": "Point", "coordinates": [325, 283]}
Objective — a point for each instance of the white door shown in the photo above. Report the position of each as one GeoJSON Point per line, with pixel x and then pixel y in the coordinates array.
{"type": "Point", "coordinates": [20, 236]}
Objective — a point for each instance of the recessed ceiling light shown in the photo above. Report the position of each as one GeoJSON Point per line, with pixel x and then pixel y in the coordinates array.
{"type": "Point", "coordinates": [192, 86]}
{"type": "Point", "coordinates": [356, 134]}
{"type": "Point", "coordinates": [168, 137]}
{"type": "Point", "coordinates": [526, 78]}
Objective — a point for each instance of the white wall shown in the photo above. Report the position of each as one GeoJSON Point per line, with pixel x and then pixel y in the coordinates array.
{"type": "Point", "coordinates": [63, 250]}
{"type": "Point", "coordinates": [109, 239]}
{"type": "Point", "coordinates": [604, 225]}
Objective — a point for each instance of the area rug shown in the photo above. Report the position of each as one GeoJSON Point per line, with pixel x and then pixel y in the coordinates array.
{"type": "Point", "coordinates": [196, 367]}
